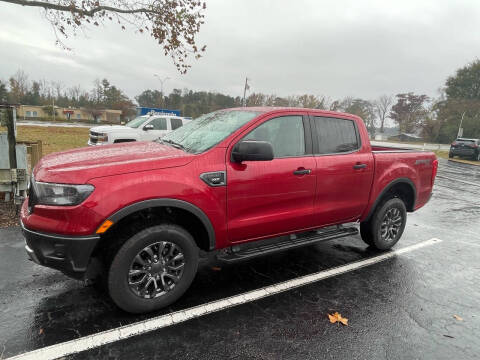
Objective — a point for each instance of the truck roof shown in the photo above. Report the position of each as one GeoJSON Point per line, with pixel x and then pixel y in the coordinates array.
{"type": "Point", "coordinates": [272, 109]}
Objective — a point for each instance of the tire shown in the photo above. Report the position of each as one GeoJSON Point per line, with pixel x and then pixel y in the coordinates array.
{"type": "Point", "coordinates": [366, 233]}
{"type": "Point", "coordinates": [132, 261]}
{"type": "Point", "coordinates": [372, 232]}
{"type": "Point", "coordinates": [450, 155]}
{"type": "Point", "coordinates": [119, 141]}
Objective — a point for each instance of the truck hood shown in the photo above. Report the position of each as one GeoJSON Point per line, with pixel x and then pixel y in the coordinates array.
{"type": "Point", "coordinates": [110, 128]}
{"type": "Point", "coordinates": [80, 165]}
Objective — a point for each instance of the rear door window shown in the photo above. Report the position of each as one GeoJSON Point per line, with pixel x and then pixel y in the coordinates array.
{"type": "Point", "coordinates": [335, 136]}
{"type": "Point", "coordinates": [176, 123]}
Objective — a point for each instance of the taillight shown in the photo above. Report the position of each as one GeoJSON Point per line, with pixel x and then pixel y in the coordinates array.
{"type": "Point", "coordinates": [434, 170]}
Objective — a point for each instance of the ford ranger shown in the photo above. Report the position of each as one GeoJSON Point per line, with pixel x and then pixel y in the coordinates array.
{"type": "Point", "coordinates": [241, 182]}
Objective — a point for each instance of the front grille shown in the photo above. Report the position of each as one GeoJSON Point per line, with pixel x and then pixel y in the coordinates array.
{"type": "Point", "coordinates": [93, 140]}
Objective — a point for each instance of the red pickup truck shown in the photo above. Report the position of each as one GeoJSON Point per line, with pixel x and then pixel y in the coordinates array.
{"type": "Point", "coordinates": [241, 182]}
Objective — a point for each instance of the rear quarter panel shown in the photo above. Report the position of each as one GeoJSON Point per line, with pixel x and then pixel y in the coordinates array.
{"type": "Point", "coordinates": [413, 165]}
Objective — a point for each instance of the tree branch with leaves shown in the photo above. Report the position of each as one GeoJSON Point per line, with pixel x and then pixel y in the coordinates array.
{"type": "Point", "coordinates": [172, 23]}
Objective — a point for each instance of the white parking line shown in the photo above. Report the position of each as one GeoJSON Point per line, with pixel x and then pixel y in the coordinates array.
{"type": "Point", "coordinates": [459, 180]}
{"type": "Point", "coordinates": [468, 243]}
{"type": "Point", "coordinates": [48, 124]}
{"type": "Point", "coordinates": [110, 336]}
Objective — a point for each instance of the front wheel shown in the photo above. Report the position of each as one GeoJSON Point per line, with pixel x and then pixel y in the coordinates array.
{"type": "Point", "coordinates": [386, 225]}
{"type": "Point", "coordinates": [153, 268]}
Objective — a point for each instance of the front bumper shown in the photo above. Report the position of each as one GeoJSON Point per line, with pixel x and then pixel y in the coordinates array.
{"type": "Point", "coordinates": [91, 143]}
{"type": "Point", "coordinates": [69, 254]}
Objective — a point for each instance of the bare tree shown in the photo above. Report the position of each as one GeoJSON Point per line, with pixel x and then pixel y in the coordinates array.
{"type": "Point", "coordinates": [256, 99]}
{"type": "Point", "coordinates": [325, 102]}
{"type": "Point", "coordinates": [19, 85]}
{"type": "Point", "coordinates": [45, 89]}
{"type": "Point", "coordinates": [343, 104]}
{"type": "Point", "coordinates": [58, 87]}
{"type": "Point", "coordinates": [270, 100]}
{"type": "Point", "coordinates": [292, 101]}
{"type": "Point", "coordinates": [172, 23]}
{"type": "Point", "coordinates": [382, 108]}
{"type": "Point", "coordinates": [74, 92]}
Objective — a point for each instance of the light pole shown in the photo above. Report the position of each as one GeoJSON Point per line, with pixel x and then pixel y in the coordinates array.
{"type": "Point", "coordinates": [247, 87]}
{"type": "Point", "coordinates": [161, 81]}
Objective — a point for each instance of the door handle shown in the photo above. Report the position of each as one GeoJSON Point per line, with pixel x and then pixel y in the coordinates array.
{"type": "Point", "coordinates": [359, 166]}
{"type": "Point", "coordinates": [302, 171]}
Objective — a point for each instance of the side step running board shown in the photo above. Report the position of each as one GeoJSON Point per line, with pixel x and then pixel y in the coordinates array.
{"type": "Point", "coordinates": [236, 253]}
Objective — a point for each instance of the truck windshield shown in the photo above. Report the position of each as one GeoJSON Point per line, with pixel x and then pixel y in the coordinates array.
{"type": "Point", "coordinates": [208, 130]}
{"type": "Point", "coordinates": [135, 123]}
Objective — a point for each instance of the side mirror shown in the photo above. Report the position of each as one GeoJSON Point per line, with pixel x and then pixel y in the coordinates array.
{"type": "Point", "coordinates": [148, 127]}
{"type": "Point", "coordinates": [252, 150]}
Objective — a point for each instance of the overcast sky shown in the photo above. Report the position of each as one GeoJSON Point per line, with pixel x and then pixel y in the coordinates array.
{"type": "Point", "coordinates": [336, 48]}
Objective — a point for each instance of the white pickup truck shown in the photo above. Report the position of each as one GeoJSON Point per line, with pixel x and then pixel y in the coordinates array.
{"type": "Point", "coordinates": [142, 128]}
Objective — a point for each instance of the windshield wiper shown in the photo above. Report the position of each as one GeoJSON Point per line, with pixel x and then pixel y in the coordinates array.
{"type": "Point", "coordinates": [174, 144]}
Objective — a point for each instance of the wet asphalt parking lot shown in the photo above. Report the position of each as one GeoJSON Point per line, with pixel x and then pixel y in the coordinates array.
{"type": "Point", "coordinates": [399, 307]}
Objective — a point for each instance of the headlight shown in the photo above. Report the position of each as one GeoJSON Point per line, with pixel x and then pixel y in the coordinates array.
{"type": "Point", "coordinates": [102, 137]}
{"type": "Point", "coordinates": [60, 194]}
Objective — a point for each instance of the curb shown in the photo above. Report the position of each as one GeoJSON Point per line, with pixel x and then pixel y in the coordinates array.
{"type": "Point", "coordinates": [465, 162]}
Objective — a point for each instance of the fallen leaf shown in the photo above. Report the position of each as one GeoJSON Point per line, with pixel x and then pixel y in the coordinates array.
{"type": "Point", "coordinates": [216, 268]}
{"type": "Point", "coordinates": [458, 317]}
{"type": "Point", "coordinates": [336, 317]}
{"type": "Point", "coordinates": [40, 332]}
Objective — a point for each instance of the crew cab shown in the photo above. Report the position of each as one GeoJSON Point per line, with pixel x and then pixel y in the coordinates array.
{"type": "Point", "coordinates": [240, 182]}
{"type": "Point", "coordinates": [142, 128]}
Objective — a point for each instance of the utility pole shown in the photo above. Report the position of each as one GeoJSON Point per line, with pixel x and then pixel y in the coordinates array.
{"type": "Point", "coordinates": [53, 108]}
{"type": "Point", "coordinates": [245, 92]}
{"type": "Point", "coordinates": [460, 129]}
{"type": "Point", "coordinates": [12, 153]}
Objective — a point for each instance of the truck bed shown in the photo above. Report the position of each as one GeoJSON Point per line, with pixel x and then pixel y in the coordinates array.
{"type": "Point", "coordinates": [379, 148]}
{"type": "Point", "coordinates": [394, 163]}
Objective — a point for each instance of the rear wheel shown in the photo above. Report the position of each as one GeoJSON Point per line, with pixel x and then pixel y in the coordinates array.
{"type": "Point", "coordinates": [153, 268]}
{"type": "Point", "coordinates": [386, 225]}
{"type": "Point", "coordinates": [450, 155]}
